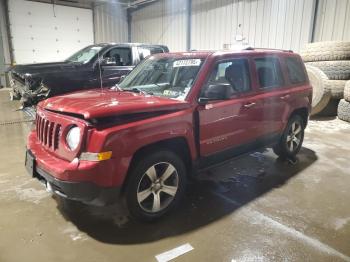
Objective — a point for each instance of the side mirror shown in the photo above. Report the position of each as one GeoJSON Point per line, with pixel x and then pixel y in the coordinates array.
{"type": "Point", "coordinates": [108, 61]}
{"type": "Point", "coordinates": [216, 92]}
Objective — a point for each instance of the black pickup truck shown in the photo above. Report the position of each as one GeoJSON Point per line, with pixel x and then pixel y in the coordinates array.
{"type": "Point", "coordinates": [88, 68]}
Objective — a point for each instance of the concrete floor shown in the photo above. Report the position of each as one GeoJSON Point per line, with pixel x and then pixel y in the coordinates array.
{"type": "Point", "coordinates": [255, 208]}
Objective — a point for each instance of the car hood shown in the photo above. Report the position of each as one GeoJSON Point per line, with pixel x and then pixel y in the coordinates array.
{"type": "Point", "coordinates": [31, 69]}
{"type": "Point", "coordinates": [106, 102]}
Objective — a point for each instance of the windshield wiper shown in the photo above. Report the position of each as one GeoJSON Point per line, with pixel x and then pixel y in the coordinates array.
{"type": "Point", "coordinates": [134, 89]}
{"type": "Point", "coordinates": [117, 88]}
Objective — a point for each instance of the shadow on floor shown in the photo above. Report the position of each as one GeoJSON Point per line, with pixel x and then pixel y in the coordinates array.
{"type": "Point", "coordinates": [245, 179]}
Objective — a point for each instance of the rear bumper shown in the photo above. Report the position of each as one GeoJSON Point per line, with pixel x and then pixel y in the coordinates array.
{"type": "Point", "coordinates": [85, 192]}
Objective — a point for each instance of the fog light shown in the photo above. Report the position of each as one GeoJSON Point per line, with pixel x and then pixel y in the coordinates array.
{"type": "Point", "coordinates": [87, 156]}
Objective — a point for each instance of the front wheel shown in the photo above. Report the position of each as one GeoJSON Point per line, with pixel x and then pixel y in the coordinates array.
{"type": "Point", "coordinates": [156, 184]}
{"type": "Point", "coordinates": [292, 138]}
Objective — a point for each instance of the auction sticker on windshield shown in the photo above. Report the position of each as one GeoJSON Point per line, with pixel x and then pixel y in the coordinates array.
{"type": "Point", "coordinates": [187, 62]}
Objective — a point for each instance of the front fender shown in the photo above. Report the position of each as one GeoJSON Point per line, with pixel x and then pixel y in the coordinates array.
{"type": "Point", "coordinates": [126, 139]}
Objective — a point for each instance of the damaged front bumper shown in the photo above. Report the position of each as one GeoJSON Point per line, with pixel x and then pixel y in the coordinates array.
{"type": "Point", "coordinates": [29, 91]}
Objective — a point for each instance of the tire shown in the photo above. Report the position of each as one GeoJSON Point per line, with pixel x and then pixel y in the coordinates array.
{"type": "Point", "coordinates": [331, 109]}
{"type": "Point", "coordinates": [320, 94]}
{"type": "Point", "coordinates": [344, 110]}
{"type": "Point", "coordinates": [283, 148]}
{"type": "Point", "coordinates": [335, 70]}
{"type": "Point", "coordinates": [141, 205]}
{"type": "Point", "coordinates": [347, 91]}
{"type": "Point", "coordinates": [336, 88]}
{"type": "Point", "coordinates": [326, 51]}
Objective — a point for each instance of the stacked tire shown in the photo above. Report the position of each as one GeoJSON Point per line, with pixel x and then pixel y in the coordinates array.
{"type": "Point", "coordinates": [344, 104]}
{"type": "Point", "coordinates": [328, 67]}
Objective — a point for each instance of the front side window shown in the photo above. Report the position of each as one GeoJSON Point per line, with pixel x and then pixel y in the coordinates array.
{"type": "Point", "coordinates": [167, 77]}
{"type": "Point", "coordinates": [121, 56]}
{"type": "Point", "coordinates": [296, 71]}
{"type": "Point", "coordinates": [269, 72]}
{"type": "Point", "coordinates": [84, 55]}
{"type": "Point", "coordinates": [233, 74]}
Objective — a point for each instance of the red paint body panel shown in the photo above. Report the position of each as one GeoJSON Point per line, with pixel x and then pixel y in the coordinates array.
{"type": "Point", "coordinates": [222, 124]}
{"type": "Point", "coordinates": [106, 102]}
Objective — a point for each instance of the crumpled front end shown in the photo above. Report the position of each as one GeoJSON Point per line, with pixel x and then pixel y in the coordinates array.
{"type": "Point", "coordinates": [28, 88]}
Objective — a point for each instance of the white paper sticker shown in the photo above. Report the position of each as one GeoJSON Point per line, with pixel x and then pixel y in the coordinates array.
{"type": "Point", "coordinates": [187, 62]}
{"type": "Point", "coordinates": [96, 48]}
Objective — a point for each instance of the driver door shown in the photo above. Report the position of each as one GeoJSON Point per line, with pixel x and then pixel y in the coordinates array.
{"type": "Point", "coordinates": [224, 124]}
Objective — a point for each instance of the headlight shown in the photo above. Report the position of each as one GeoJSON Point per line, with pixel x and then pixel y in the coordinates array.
{"type": "Point", "coordinates": [73, 138]}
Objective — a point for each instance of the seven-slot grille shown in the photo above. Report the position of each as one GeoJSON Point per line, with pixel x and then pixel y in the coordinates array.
{"type": "Point", "coordinates": [48, 133]}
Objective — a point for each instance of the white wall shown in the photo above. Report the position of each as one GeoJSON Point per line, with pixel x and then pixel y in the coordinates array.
{"type": "Point", "coordinates": [110, 23]}
{"type": "Point", "coordinates": [264, 23]}
{"type": "Point", "coordinates": [41, 33]}
{"type": "Point", "coordinates": [5, 59]}
{"type": "Point", "coordinates": [164, 22]}
{"type": "Point", "coordinates": [333, 20]}
{"type": "Point", "coordinates": [283, 24]}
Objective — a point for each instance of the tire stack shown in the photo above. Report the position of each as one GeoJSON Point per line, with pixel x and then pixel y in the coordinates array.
{"type": "Point", "coordinates": [328, 67]}
{"type": "Point", "coordinates": [344, 104]}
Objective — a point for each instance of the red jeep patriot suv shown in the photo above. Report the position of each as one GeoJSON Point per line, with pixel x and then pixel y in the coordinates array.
{"type": "Point", "coordinates": [174, 113]}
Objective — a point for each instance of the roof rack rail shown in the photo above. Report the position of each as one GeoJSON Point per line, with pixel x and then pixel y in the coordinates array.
{"type": "Point", "coordinates": [277, 49]}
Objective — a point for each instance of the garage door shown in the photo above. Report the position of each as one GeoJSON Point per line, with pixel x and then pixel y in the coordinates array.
{"type": "Point", "coordinates": [45, 32]}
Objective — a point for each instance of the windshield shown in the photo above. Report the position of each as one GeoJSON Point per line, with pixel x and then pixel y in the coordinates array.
{"type": "Point", "coordinates": [167, 77]}
{"type": "Point", "coordinates": [84, 55]}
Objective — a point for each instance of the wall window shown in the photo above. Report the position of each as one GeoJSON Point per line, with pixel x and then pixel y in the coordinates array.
{"type": "Point", "coordinates": [269, 72]}
{"type": "Point", "coordinates": [233, 73]}
{"type": "Point", "coordinates": [296, 73]}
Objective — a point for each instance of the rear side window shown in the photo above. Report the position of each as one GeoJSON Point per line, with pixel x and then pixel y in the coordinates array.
{"type": "Point", "coordinates": [296, 73]}
{"type": "Point", "coordinates": [269, 72]}
{"type": "Point", "coordinates": [155, 50]}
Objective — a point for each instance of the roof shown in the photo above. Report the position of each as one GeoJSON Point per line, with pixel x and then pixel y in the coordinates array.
{"type": "Point", "coordinates": [127, 44]}
{"type": "Point", "coordinates": [206, 53]}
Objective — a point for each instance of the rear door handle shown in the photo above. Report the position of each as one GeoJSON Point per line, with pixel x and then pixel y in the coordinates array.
{"type": "Point", "coordinates": [249, 105]}
{"type": "Point", "coordinates": [284, 97]}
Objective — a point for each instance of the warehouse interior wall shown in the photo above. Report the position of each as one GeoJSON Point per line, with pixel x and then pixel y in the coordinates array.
{"type": "Point", "coordinates": [286, 24]}
{"type": "Point", "coordinates": [5, 59]}
{"type": "Point", "coordinates": [163, 22]}
{"type": "Point", "coordinates": [110, 23]}
{"type": "Point", "coordinates": [332, 21]}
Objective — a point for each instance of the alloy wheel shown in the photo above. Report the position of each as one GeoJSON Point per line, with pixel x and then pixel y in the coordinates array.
{"type": "Point", "coordinates": [294, 136]}
{"type": "Point", "coordinates": [157, 187]}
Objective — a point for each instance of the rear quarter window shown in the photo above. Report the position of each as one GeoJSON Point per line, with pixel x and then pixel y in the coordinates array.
{"type": "Point", "coordinates": [295, 68]}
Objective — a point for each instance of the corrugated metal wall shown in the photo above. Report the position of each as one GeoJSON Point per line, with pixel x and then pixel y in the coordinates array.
{"type": "Point", "coordinates": [5, 59]}
{"type": "Point", "coordinates": [164, 22]}
{"type": "Point", "coordinates": [333, 20]}
{"type": "Point", "coordinates": [110, 23]}
{"type": "Point", "coordinates": [283, 24]}
{"type": "Point", "coordinates": [264, 23]}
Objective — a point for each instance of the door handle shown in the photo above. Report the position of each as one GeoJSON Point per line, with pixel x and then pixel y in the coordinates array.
{"type": "Point", "coordinates": [249, 105]}
{"type": "Point", "coordinates": [285, 97]}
